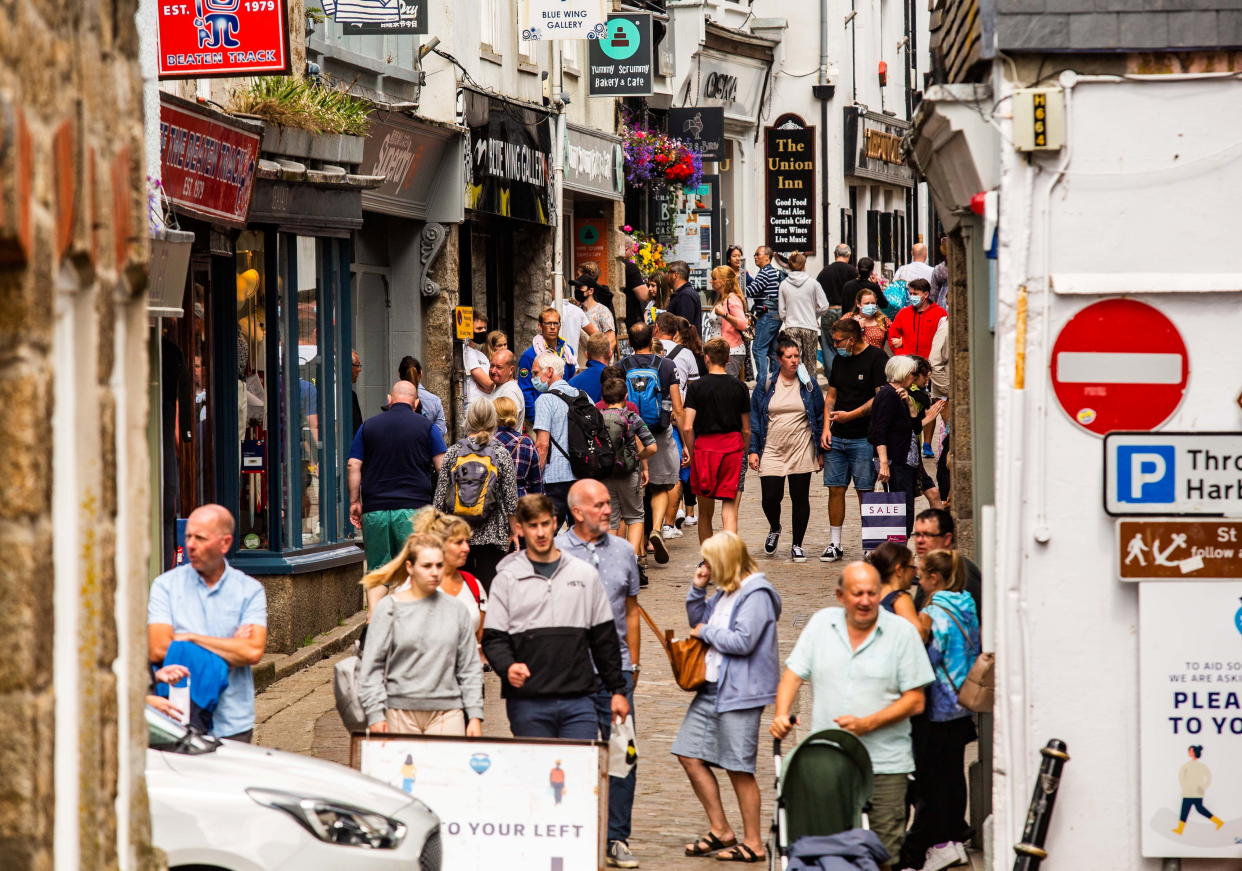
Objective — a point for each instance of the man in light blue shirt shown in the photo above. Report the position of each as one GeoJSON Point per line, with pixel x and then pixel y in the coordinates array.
{"type": "Point", "coordinates": [869, 668]}
{"type": "Point", "coordinates": [223, 610]}
{"type": "Point", "coordinates": [613, 559]}
{"type": "Point", "coordinates": [552, 429]}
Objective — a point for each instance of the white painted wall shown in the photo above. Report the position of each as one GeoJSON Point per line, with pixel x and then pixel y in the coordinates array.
{"type": "Point", "coordinates": [1066, 629]}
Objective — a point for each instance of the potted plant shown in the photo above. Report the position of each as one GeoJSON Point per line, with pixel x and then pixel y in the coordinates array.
{"type": "Point", "coordinates": [306, 119]}
{"type": "Point", "coordinates": [170, 254]}
{"type": "Point", "coordinates": [657, 161]}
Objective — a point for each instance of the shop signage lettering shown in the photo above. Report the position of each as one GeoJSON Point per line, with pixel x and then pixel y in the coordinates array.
{"type": "Point", "coordinates": [592, 163]}
{"type": "Point", "coordinates": [411, 19]}
{"type": "Point", "coordinates": [883, 146]}
{"type": "Point", "coordinates": [620, 61]}
{"type": "Point", "coordinates": [789, 171]}
{"type": "Point", "coordinates": [720, 86]}
{"type": "Point", "coordinates": [727, 81]}
{"type": "Point", "coordinates": [207, 166]}
{"type": "Point", "coordinates": [700, 127]}
{"type": "Point", "coordinates": [200, 38]}
{"type": "Point", "coordinates": [562, 19]}
{"type": "Point", "coordinates": [511, 159]}
{"type": "Point", "coordinates": [873, 147]}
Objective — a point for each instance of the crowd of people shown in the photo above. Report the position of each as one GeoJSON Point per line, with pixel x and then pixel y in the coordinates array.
{"type": "Point", "coordinates": [522, 546]}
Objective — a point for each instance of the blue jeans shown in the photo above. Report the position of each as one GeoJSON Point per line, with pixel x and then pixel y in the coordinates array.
{"type": "Point", "coordinates": [764, 346]}
{"type": "Point", "coordinates": [620, 789]}
{"type": "Point", "coordinates": [850, 459]}
{"type": "Point", "coordinates": [553, 718]}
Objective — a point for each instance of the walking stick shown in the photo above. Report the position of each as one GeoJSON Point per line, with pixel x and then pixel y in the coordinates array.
{"type": "Point", "coordinates": [1031, 850]}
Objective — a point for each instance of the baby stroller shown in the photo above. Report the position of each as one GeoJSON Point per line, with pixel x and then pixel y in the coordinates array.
{"type": "Point", "coordinates": [823, 788]}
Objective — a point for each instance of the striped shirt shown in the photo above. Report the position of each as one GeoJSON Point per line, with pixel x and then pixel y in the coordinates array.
{"type": "Point", "coordinates": [765, 286]}
{"type": "Point", "coordinates": [525, 460]}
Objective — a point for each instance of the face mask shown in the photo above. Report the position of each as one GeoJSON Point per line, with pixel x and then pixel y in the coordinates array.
{"type": "Point", "coordinates": [540, 385]}
{"type": "Point", "coordinates": [480, 337]}
{"type": "Point", "coordinates": [916, 299]}
{"type": "Point", "coordinates": [845, 352]}
{"type": "Point", "coordinates": [869, 309]}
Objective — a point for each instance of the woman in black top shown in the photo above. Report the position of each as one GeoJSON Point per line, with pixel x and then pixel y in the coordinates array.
{"type": "Point", "coordinates": [894, 421]}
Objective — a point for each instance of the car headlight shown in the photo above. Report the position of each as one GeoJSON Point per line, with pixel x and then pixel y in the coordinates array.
{"type": "Point", "coordinates": [333, 821]}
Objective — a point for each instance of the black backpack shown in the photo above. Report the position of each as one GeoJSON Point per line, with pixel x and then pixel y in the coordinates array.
{"type": "Point", "coordinates": [590, 450]}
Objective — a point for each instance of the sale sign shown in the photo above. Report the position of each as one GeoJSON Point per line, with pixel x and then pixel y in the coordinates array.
{"type": "Point", "coordinates": [207, 166]}
{"type": "Point", "coordinates": [201, 38]}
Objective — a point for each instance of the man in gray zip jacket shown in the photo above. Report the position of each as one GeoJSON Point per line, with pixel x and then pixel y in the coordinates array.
{"type": "Point", "coordinates": [548, 618]}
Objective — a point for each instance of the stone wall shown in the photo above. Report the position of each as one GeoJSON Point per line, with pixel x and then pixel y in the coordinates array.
{"type": "Point", "coordinates": [73, 394]}
{"type": "Point", "coordinates": [300, 607]}
{"type": "Point", "coordinates": [961, 430]}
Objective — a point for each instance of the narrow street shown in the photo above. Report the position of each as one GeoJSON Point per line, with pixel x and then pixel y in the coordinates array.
{"type": "Point", "coordinates": [298, 713]}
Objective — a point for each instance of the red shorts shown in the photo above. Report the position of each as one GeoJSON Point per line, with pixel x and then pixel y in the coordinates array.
{"type": "Point", "coordinates": [717, 465]}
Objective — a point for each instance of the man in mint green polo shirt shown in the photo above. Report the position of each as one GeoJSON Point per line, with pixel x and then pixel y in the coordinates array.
{"type": "Point", "coordinates": [869, 668]}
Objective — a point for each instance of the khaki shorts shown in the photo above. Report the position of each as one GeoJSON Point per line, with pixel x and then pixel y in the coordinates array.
{"type": "Point", "coordinates": [426, 722]}
{"type": "Point", "coordinates": [627, 499]}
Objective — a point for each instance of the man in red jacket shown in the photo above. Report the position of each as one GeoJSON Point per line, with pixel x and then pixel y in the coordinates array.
{"type": "Point", "coordinates": [914, 327]}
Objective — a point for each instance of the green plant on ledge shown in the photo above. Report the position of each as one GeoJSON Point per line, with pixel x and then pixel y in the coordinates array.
{"type": "Point", "coordinates": [297, 102]}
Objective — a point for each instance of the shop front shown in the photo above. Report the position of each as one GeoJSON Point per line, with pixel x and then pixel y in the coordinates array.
{"type": "Point", "coordinates": [401, 258]}
{"type": "Point", "coordinates": [593, 186]}
{"type": "Point", "coordinates": [253, 377]}
{"type": "Point", "coordinates": [878, 222]}
{"type": "Point", "coordinates": [507, 243]}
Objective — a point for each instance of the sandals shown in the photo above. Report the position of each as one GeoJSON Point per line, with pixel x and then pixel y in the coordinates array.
{"type": "Point", "coordinates": [740, 853]}
{"type": "Point", "coordinates": [713, 845]}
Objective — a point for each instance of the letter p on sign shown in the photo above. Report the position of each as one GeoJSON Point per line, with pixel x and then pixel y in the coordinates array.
{"type": "Point", "coordinates": [1146, 473]}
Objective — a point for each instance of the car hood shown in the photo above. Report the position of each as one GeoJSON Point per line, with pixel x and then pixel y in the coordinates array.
{"type": "Point", "coordinates": [235, 766]}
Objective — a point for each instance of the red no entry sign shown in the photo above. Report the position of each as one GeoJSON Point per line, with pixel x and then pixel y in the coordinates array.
{"type": "Point", "coordinates": [1119, 365]}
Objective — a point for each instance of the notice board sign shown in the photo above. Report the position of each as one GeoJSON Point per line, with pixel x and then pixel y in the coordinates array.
{"type": "Point", "coordinates": [700, 127]}
{"type": "Point", "coordinates": [1193, 550]}
{"type": "Point", "coordinates": [789, 173]}
{"type": "Point", "coordinates": [621, 59]}
{"type": "Point", "coordinates": [502, 802]}
{"type": "Point", "coordinates": [1190, 695]}
{"type": "Point", "coordinates": [203, 38]}
{"type": "Point", "coordinates": [207, 162]}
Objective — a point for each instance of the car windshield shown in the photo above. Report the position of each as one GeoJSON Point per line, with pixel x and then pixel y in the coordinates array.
{"type": "Point", "coordinates": [165, 734]}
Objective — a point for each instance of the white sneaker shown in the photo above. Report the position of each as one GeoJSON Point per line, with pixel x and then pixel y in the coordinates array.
{"type": "Point", "coordinates": [670, 532]}
{"type": "Point", "coordinates": [680, 518]}
{"type": "Point", "coordinates": [947, 855]}
{"type": "Point", "coordinates": [832, 553]}
{"type": "Point", "coordinates": [692, 520]}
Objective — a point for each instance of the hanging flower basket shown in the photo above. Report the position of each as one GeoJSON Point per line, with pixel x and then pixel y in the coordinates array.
{"type": "Point", "coordinates": [656, 161]}
{"type": "Point", "coordinates": [644, 251]}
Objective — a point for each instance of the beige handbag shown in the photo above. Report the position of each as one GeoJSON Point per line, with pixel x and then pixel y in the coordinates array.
{"type": "Point", "coordinates": [687, 656]}
{"type": "Point", "coordinates": [978, 691]}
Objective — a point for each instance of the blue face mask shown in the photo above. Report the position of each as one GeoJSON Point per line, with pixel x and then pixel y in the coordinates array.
{"type": "Point", "coordinates": [869, 309]}
{"type": "Point", "coordinates": [845, 352]}
{"type": "Point", "coordinates": [540, 385]}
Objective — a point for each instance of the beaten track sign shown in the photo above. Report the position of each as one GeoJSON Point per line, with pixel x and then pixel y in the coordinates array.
{"type": "Point", "coordinates": [1195, 550]}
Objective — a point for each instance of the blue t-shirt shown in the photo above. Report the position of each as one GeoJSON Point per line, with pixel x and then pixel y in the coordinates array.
{"type": "Point", "coordinates": [552, 417]}
{"type": "Point", "coordinates": [397, 448]}
{"type": "Point", "coordinates": [181, 599]}
{"type": "Point", "coordinates": [589, 379]}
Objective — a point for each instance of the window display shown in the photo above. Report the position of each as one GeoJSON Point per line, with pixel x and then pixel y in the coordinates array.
{"type": "Point", "coordinates": [252, 408]}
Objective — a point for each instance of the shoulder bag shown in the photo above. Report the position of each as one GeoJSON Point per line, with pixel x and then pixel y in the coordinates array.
{"type": "Point", "coordinates": [978, 691]}
{"type": "Point", "coordinates": [687, 656]}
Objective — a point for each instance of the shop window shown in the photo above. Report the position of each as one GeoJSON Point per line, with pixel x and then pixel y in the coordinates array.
{"type": "Point", "coordinates": [253, 382]}
{"type": "Point", "coordinates": [886, 237]}
{"type": "Point", "coordinates": [873, 235]}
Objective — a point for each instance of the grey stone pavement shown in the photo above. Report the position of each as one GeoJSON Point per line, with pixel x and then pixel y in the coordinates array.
{"type": "Point", "coordinates": [298, 713]}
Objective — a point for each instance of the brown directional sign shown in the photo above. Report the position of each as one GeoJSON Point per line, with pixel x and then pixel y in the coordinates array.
{"type": "Point", "coordinates": [1192, 550]}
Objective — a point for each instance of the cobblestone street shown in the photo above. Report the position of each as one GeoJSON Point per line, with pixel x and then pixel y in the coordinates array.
{"type": "Point", "coordinates": [298, 713]}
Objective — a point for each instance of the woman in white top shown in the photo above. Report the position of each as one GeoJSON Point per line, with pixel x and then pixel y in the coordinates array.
{"type": "Point", "coordinates": [476, 363]}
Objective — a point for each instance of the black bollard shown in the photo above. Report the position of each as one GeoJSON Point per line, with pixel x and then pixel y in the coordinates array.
{"type": "Point", "coordinates": [1031, 850]}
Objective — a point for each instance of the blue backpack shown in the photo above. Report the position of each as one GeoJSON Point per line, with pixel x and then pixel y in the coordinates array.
{"type": "Point", "coordinates": [642, 382]}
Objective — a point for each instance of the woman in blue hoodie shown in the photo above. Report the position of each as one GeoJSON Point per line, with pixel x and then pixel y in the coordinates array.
{"type": "Point", "coordinates": [950, 627]}
{"type": "Point", "coordinates": [721, 729]}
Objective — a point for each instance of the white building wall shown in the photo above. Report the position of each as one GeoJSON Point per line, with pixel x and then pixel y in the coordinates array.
{"type": "Point", "coordinates": [1066, 629]}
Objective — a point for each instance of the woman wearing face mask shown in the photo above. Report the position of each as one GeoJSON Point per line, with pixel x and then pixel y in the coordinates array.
{"type": "Point", "coordinates": [419, 668]}
{"type": "Point", "coordinates": [874, 323]}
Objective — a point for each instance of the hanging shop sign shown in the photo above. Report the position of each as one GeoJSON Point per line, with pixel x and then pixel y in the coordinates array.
{"type": "Point", "coordinates": [201, 38]}
{"type": "Point", "coordinates": [207, 163]}
{"type": "Point", "coordinates": [510, 159]}
{"type": "Point", "coordinates": [562, 19]}
{"type": "Point", "coordinates": [873, 147]}
{"type": "Point", "coordinates": [593, 163]}
{"type": "Point", "coordinates": [417, 162]}
{"type": "Point", "coordinates": [733, 84]}
{"type": "Point", "coordinates": [395, 16]}
{"type": "Point", "coordinates": [700, 127]}
{"type": "Point", "coordinates": [789, 173]}
{"type": "Point", "coordinates": [621, 60]}
{"type": "Point", "coordinates": [1190, 703]}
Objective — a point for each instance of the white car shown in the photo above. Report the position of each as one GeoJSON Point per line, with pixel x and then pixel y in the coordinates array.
{"type": "Point", "coordinates": [225, 806]}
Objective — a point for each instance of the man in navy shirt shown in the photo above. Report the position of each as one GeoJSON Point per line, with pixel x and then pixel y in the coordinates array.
{"type": "Point", "coordinates": [684, 301]}
{"type": "Point", "coordinates": [392, 466]}
{"type": "Point", "coordinates": [599, 351]}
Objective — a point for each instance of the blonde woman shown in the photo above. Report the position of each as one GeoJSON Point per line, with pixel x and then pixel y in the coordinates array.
{"type": "Point", "coordinates": [721, 728]}
{"type": "Point", "coordinates": [419, 667]}
{"type": "Point", "coordinates": [731, 309]}
{"type": "Point", "coordinates": [454, 533]}
{"type": "Point", "coordinates": [491, 535]}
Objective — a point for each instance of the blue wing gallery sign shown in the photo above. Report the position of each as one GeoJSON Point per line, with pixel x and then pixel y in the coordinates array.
{"type": "Point", "coordinates": [510, 159]}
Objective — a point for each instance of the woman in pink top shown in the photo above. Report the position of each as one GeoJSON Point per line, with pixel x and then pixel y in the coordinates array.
{"type": "Point", "coordinates": [731, 309]}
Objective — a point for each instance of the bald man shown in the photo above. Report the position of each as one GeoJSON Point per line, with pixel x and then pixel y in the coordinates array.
{"type": "Point", "coordinates": [218, 612]}
{"type": "Point", "coordinates": [503, 372]}
{"type": "Point", "coordinates": [392, 468]}
{"type": "Point", "coordinates": [869, 668]}
{"type": "Point", "coordinates": [917, 267]}
{"type": "Point", "coordinates": [590, 507]}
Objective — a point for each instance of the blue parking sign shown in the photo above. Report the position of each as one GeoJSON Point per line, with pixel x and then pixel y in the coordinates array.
{"type": "Point", "coordinates": [1146, 473]}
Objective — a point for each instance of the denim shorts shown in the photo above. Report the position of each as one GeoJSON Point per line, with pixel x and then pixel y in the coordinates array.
{"type": "Point", "coordinates": [850, 459]}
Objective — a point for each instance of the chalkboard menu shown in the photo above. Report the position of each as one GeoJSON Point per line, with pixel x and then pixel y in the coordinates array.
{"type": "Point", "coordinates": [789, 173]}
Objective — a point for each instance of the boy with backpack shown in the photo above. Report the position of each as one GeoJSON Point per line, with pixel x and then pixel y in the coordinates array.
{"type": "Point", "coordinates": [651, 383]}
{"type": "Point", "coordinates": [633, 444]}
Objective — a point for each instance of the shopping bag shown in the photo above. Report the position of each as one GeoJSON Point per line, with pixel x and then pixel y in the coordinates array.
{"type": "Point", "coordinates": [622, 751]}
{"type": "Point", "coordinates": [345, 689]}
{"type": "Point", "coordinates": [883, 518]}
